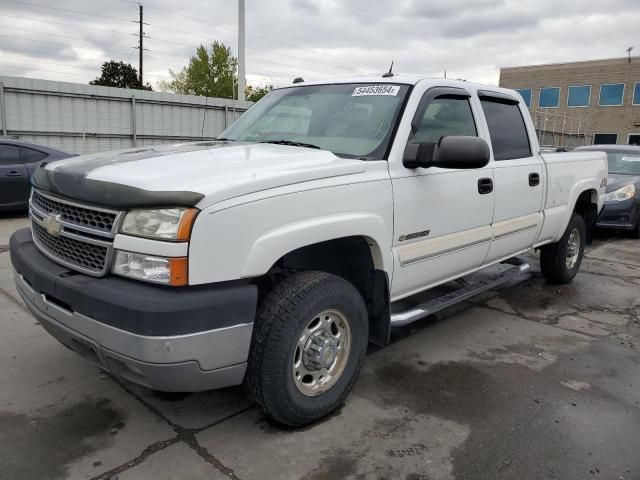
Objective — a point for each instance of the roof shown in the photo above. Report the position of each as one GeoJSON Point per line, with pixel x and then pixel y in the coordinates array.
{"type": "Point", "coordinates": [404, 80]}
{"type": "Point", "coordinates": [579, 63]}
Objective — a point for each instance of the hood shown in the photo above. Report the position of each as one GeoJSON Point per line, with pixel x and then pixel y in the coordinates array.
{"type": "Point", "coordinates": [184, 174]}
{"type": "Point", "coordinates": [616, 181]}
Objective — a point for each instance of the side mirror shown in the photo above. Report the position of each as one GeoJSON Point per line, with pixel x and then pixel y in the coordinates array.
{"type": "Point", "coordinates": [450, 152]}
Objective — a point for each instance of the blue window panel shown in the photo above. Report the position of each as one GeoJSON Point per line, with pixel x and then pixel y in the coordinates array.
{"type": "Point", "coordinates": [611, 94]}
{"type": "Point", "coordinates": [526, 95]}
{"type": "Point", "coordinates": [579, 96]}
{"type": "Point", "coordinates": [636, 94]}
{"type": "Point", "coordinates": [549, 97]}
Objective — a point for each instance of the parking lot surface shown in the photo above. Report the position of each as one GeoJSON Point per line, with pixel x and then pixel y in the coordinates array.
{"type": "Point", "coordinates": [534, 381]}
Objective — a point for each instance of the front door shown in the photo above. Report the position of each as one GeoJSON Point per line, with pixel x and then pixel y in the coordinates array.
{"type": "Point", "coordinates": [442, 217]}
{"type": "Point", "coordinates": [14, 177]}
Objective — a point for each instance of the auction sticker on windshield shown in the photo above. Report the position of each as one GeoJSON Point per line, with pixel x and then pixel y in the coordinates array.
{"type": "Point", "coordinates": [631, 159]}
{"type": "Point", "coordinates": [376, 90]}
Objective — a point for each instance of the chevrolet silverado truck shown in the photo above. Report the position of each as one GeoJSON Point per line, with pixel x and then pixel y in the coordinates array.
{"type": "Point", "coordinates": [326, 215]}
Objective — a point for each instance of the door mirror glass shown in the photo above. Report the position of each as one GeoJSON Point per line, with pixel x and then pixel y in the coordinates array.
{"type": "Point", "coordinates": [459, 152]}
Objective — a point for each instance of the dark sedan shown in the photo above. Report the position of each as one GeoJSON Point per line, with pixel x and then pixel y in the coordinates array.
{"type": "Point", "coordinates": [622, 202]}
{"type": "Point", "coordinates": [18, 160]}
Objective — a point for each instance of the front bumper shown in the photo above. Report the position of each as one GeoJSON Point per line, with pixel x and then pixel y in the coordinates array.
{"type": "Point", "coordinates": [619, 215]}
{"type": "Point", "coordinates": [187, 340]}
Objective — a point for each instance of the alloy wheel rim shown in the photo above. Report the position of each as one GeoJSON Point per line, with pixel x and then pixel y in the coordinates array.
{"type": "Point", "coordinates": [573, 248]}
{"type": "Point", "coordinates": [321, 353]}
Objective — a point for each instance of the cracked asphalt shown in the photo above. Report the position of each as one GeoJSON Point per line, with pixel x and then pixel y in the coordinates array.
{"type": "Point", "coordinates": [533, 381]}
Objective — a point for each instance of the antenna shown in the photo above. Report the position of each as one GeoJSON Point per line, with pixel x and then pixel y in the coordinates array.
{"type": "Point", "coordinates": [629, 53]}
{"type": "Point", "coordinates": [389, 73]}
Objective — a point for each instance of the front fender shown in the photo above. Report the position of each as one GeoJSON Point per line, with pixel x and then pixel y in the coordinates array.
{"type": "Point", "coordinates": [273, 245]}
{"type": "Point", "coordinates": [246, 240]}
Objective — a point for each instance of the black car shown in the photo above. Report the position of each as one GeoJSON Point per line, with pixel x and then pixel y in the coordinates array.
{"type": "Point", "coordinates": [622, 202]}
{"type": "Point", "coordinates": [18, 160]}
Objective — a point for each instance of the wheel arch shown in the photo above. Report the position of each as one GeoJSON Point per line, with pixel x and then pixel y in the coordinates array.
{"type": "Point", "coordinates": [586, 205]}
{"type": "Point", "coordinates": [352, 258]}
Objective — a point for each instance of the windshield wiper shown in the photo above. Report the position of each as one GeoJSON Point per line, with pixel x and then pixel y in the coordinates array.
{"type": "Point", "coordinates": [293, 144]}
{"type": "Point", "coordinates": [222, 139]}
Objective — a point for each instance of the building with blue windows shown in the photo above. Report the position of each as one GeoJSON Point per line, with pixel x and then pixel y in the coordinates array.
{"type": "Point", "coordinates": [590, 102]}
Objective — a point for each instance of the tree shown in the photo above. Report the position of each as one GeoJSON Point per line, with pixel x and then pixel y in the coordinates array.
{"type": "Point", "coordinates": [255, 94]}
{"type": "Point", "coordinates": [121, 75]}
{"type": "Point", "coordinates": [210, 73]}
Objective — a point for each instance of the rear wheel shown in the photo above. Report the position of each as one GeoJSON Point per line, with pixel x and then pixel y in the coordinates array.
{"type": "Point", "coordinates": [310, 337]}
{"type": "Point", "coordinates": [561, 261]}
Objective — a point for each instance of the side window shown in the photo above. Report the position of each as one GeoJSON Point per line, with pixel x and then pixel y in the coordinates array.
{"type": "Point", "coordinates": [507, 130]}
{"type": "Point", "coordinates": [8, 155]}
{"type": "Point", "coordinates": [446, 116]}
{"type": "Point", "coordinates": [28, 155]}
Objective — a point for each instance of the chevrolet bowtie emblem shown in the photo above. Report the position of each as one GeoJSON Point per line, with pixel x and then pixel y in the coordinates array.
{"type": "Point", "coordinates": [52, 224]}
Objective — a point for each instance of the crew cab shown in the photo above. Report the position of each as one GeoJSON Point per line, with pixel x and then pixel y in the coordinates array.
{"type": "Point", "coordinates": [327, 214]}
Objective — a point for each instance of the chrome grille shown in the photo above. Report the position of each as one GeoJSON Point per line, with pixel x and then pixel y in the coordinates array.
{"type": "Point", "coordinates": [94, 219]}
{"type": "Point", "coordinates": [75, 235]}
{"type": "Point", "coordinates": [70, 251]}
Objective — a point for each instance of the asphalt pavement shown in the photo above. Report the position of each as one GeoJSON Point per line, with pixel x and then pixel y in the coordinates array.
{"type": "Point", "coordinates": [534, 381]}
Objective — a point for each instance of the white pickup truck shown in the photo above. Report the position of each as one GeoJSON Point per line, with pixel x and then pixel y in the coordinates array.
{"type": "Point", "coordinates": [323, 217]}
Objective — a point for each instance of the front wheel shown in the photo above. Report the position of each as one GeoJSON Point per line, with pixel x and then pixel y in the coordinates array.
{"type": "Point", "coordinates": [561, 261]}
{"type": "Point", "coordinates": [309, 342]}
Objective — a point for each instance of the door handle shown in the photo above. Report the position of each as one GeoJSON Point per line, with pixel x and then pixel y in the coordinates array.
{"type": "Point", "coordinates": [13, 173]}
{"type": "Point", "coordinates": [485, 185]}
{"type": "Point", "coordinates": [534, 179]}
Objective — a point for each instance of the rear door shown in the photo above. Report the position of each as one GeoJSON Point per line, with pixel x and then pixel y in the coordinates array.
{"type": "Point", "coordinates": [519, 176]}
{"type": "Point", "coordinates": [14, 177]}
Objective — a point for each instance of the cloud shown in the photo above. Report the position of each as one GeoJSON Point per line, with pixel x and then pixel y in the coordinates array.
{"type": "Point", "coordinates": [316, 39]}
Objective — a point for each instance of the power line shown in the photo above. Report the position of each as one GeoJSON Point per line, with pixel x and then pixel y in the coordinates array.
{"type": "Point", "coordinates": [79, 12]}
{"type": "Point", "coordinates": [159, 39]}
{"type": "Point", "coordinates": [62, 44]}
{"type": "Point", "coordinates": [87, 27]}
{"type": "Point", "coordinates": [54, 35]}
{"type": "Point", "coordinates": [256, 36]}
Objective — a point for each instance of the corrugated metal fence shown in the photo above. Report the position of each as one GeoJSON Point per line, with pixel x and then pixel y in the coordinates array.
{"type": "Point", "coordinates": [85, 118]}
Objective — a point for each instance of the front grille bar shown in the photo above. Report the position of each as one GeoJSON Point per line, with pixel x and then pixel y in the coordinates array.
{"type": "Point", "coordinates": [77, 226]}
{"type": "Point", "coordinates": [84, 247]}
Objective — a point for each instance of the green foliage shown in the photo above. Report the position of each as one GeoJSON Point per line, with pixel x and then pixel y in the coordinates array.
{"type": "Point", "coordinates": [209, 73]}
{"type": "Point", "coordinates": [255, 94]}
{"type": "Point", "coordinates": [120, 75]}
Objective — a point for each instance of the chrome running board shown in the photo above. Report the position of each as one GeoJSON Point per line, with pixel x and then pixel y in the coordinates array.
{"type": "Point", "coordinates": [470, 286]}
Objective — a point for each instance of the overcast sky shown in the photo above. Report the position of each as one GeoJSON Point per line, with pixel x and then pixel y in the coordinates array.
{"type": "Point", "coordinates": [68, 39]}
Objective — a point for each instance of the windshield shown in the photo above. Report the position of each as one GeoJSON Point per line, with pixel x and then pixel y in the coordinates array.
{"type": "Point", "coordinates": [350, 120]}
{"type": "Point", "coordinates": [624, 163]}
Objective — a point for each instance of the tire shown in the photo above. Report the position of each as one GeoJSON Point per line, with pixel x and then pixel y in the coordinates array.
{"type": "Point", "coordinates": [561, 261]}
{"type": "Point", "coordinates": [284, 391]}
{"type": "Point", "coordinates": [636, 233]}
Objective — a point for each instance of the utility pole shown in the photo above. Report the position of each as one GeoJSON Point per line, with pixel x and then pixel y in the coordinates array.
{"type": "Point", "coordinates": [241, 59]}
{"type": "Point", "coordinates": [141, 46]}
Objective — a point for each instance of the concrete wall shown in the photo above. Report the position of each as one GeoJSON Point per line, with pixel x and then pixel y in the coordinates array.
{"type": "Point", "coordinates": [85, 118]}
{"type": "Point", "coordinates": [623, 120]}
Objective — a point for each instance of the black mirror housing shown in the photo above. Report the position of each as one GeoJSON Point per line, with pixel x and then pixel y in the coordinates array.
{"type": "Point", "coordinates": [459, 152]}
{"type": "Point", "coordinates": [418, 155]}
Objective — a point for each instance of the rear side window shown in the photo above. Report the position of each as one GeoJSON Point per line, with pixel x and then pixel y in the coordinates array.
{"type": "Point", "coordinates": [8, 155]}
{"type": "Point", "coordinates": [507, 129]}
{"type": "Point", "coordinates": [28, 155]}
{"type": "Point", "coordinates": [446, 116]}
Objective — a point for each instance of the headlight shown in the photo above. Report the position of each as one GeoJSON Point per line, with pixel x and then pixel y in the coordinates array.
{"type": "Point", "coordinates": [621, 194]}
{"type": "Point", "coordinates": [161, 224]}
{"type": "Point", "coordinates": [169, 271]}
